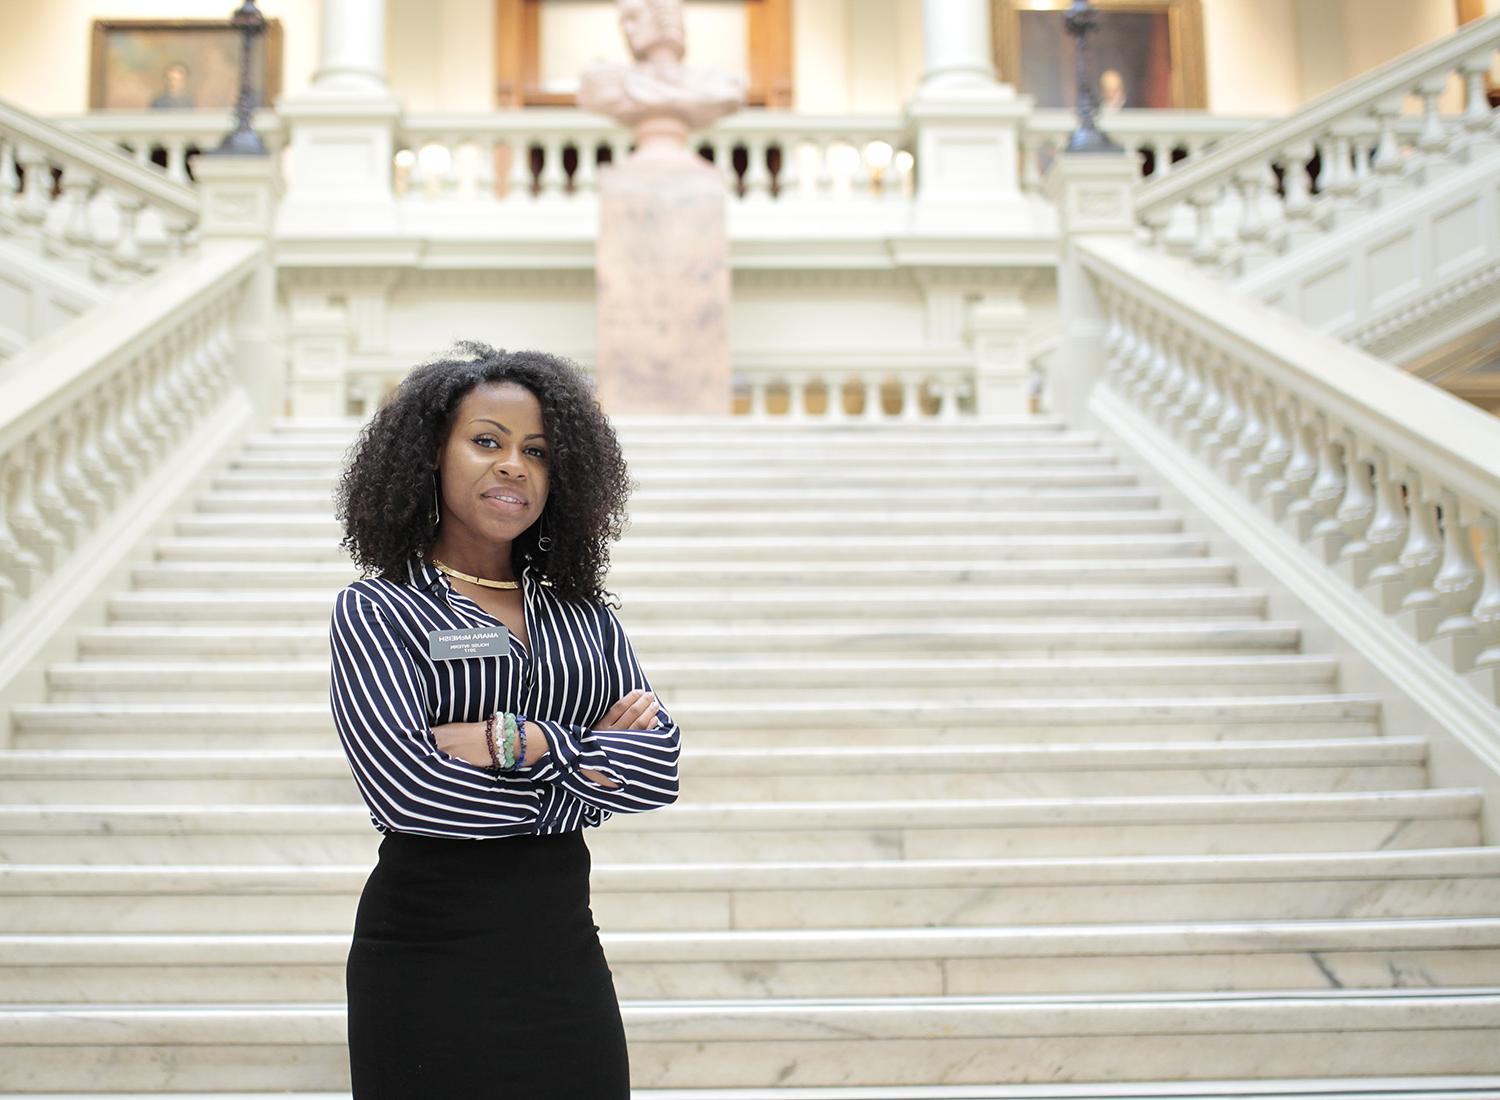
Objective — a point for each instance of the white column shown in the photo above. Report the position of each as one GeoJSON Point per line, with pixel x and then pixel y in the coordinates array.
{"type": "Point", "coordinates": [956, 44]}
{"type": "Point", "coordinates": [352, 58]}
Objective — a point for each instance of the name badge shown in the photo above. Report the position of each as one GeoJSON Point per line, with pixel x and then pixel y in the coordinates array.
{"type": "Point", "coordinates": [474, 641]}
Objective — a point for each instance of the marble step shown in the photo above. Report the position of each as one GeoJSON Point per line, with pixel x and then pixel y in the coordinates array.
{"type": "Point", "coordinates": [685, 681]}
{"type": "Point", "coordinates": [821, 1041]}
{"type": "Point", "coordinates": [709, 436]}
{"type": "Point", "coordinates": [891, 893]}
{"type": "Point", "coordinates": [847, 547]}
{"type": "Point", "coordinates": [128, 968]}
{"type": "Point", "coordinates": [805, 464]}
{"type": "Point", "coordinates": [331, 576]}
{"type": "Point", "coordinates": [1445, 1087]}
{"type": "Point", "coordinates": [1046, 484]}
{"type": "Point", "coordinates": [818, 773]}
{"type": "Point", "coordinates": [920, 829]}
{"type": "Point", "coordinates": [766, 501]}
{"type": "Point", "coordinates": [769, 724]}
{"type": "Point", "coordinates": [733, 450]}
{"type": "Point", "coordinates": [874, 637]}
{"type": "Point", "coordinates": [787, 603]}
{"type": "Point", "coordinates": [712, 425]}
{"type": "Point", "coordinates": [934, 523]}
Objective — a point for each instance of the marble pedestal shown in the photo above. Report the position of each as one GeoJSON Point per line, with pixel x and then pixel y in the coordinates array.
{"type": "Point", "coordinates": [663, 287]}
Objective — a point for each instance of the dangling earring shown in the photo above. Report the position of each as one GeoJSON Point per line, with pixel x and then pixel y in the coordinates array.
{"type": "Point", "coordinates": [436, 518]}
{"type": "Point", "coordinates": [543, 542]}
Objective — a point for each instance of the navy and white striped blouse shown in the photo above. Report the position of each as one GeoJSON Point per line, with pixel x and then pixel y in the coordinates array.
{"type": "Point", "coordinates": [386, 694]}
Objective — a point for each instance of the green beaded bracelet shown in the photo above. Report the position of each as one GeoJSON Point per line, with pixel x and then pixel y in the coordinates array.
{"type": "Point", "coordinates": [508, 758]}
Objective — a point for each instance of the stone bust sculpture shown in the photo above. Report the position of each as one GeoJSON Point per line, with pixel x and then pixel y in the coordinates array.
{"type": "Point", "coordinates": [659, 96]}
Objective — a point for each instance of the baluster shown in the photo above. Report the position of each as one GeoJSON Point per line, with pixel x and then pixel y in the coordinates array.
{"type": "Point", "coordinates": [1484, 674]}
{"type": "Point", "coordinates": [10, 182]}
{"type": "Point", "coordinates": [1201, 431]}
{"type": "Point", "coordinates": [78, 490]}
{"type": "Point", "coordinates": [451, 182]}
{"type": "Point", "coordinates": [862, 179]}
{"type": "Point", "coordinates": [1419, 609]}
{"type": "Point", "coordinates": [23, 565]}
{"type": "Point", "coordinates": [757, 174]}
{"type": "Point", "coordinates": [1455, 637]}
{"type": "Point", "coordinates": [1385, 582]}
{"type": "Point", "coordinates": [1205, 251]}
{"type": "Point", "coordinates": [100, 487]}
{"type": "Point", "coordinates": [948, 394]}
{"type": "Point", "coordinates": [1326, 535]}
{"type": "Point", "coordinates": [1231, 459]}
{"type": "Point", "coordinates": [1274, 454]}
{"type": "Point", "coordinates": [872, 387]}
{"type": "Point", "coordinates": [823, 182]}
{"type": "Point", "coordinates": [36, 189]}
{"type": "Point", "coordinates": [722, 145]}
{"type": "Point", "coordinates": [1287, 495]}
{"type": "Point", "coordinates": [518, 179]}
{"type": "Point", "coordinates": [1172, 382]}
{"type": "Point", "coordinates": [77, 186]}
{"type": "Point", "coordinates": [1339, 184]}
{"type": "Point", "coordinates": [26, 519]}
{"type": "Point", "coordinates": [789, 175]}
{"type": "Point", "coordinates": [1479, 136]}
{"type": "Point", "coordinates": [796, 395]}
{"type": "Point", "coordinates": [1354, 512]}
{"type": "Point", "coordinates": [1190, 422]}
{"type": "Point", "coordinates": [1390, 165]}
{"type": "Point", "coordinates": [485, 178]}
{"type": "Point", "coordinates": [126, 253]}
{"type": "Point", "coordinates": [176, 149]}
{"type": "Point", "coordinates": [585, 179]}
{"type": "Point", "coordinates": [911, 397]}
{"type": "Point", "coordinates": [1436, 140]}
{"type": "Point", "coordinates": [1251, 441]}
{"type": "Point", "coordinates": [757, 397]}
{"type": "Point", "coordinates": [66, 520]}
{"type": "Point", "coordinates": [1253, 231]}
{"type": "Point", "coordinates": [1297, 207]}
{"type": "Point", "coordinates": [133, 437]}
{"type": "Point", "coordinates": [552, 180]}
{"type": "Point", "coordinates": [1165, 146]}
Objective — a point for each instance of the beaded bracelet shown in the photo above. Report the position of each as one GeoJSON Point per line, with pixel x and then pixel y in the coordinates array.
{"type": "Point", "coordinates": [521, 736]}
{"type": "Point", "coordinates": [489, 740]}
{"type": "Point", "coordinates": [507, 757]}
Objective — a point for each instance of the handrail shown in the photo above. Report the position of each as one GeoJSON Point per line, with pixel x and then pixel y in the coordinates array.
{"type": "Point", "coordinates": [1430, 428]}
{"type": "Point", "coordinates": [1394, 78]}
{"type": "Point", "coordinates": [98, 157]}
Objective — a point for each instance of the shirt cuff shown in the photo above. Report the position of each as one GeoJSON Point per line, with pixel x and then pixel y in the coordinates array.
{"type": "Point", "coordinates": [570, 753]}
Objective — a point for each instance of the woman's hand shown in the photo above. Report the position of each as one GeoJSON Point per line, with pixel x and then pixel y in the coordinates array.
{"type": "Point", "coordinates": [464, 740]}
{"type": "Point", "coordinates": [635, 711]}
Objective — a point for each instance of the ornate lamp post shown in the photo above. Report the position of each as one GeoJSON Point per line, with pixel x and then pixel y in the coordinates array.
{"type": "Point", "coordinates": [1081, 21]}
{"type": "Point", "coordinates": [244, 141]}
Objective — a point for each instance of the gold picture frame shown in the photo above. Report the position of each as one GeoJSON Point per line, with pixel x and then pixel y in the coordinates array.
{"type": "Point", "coordinates": [130, 60]}
{"type": "Point", "coordinates": [1138, 25]}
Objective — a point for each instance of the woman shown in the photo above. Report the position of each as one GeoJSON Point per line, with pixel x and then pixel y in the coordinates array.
{"type": "Point", "coordinates": [484, 692]}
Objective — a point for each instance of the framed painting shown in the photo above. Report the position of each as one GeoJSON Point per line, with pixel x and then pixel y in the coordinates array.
{"type": "Point", "coordinates": [178, 64]}
{"type": "Point", "coordinates": [1147, 53]}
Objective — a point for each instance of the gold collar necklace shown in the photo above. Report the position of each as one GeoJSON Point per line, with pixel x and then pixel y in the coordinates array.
{"type": "Point", "coordinates": [441, 568]}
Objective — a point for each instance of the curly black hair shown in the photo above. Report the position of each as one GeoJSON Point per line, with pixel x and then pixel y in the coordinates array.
{"type": "Point", "coordinates": [384, 496]}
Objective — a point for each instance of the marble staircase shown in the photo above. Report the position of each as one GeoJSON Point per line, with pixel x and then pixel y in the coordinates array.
{"type": "Point", "coordinates": [996, 783]}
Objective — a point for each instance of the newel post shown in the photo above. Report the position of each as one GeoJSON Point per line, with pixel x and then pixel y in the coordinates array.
{"type": "Point", "coordinates": [1094, 196]}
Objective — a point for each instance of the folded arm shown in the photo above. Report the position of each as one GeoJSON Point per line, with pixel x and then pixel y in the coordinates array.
{"type": "Point", "coordinates": [407, 781]}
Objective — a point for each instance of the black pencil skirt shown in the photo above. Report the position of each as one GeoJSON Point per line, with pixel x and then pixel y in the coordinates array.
{"type": "Point", "coordinates": [476, 973]}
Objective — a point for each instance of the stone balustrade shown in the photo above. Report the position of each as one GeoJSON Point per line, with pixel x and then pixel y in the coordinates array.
{"type": "Point", "coordinates": [1158, 141]}
{"type": "Point", "coordinates": [941, 388]}
{"type": "Point", "coordinates": [73, 199]}
{"type": "Point", "coordinates": [1357, 148]}
{"type": "Point", "coordinates": [1390, 484]}
{"type": "Point", "coordinates": [549, 154]}
{"type": "Point", "coordinates": [87, 421]}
